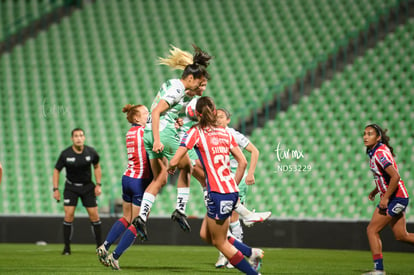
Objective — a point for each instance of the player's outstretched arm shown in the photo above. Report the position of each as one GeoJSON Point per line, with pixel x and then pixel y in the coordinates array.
{"type": "Point", "coordinates": [241, 163]}
{"type": "Point", "coordinates": [253, 162]}
{"type": "Point", "coordinates": [179, 154]}
{"type": "Point", "coordinates": [161, 107]}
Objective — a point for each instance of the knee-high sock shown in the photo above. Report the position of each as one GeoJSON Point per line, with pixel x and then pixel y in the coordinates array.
{"type": "Point", "coordinates": [242, 210]}
{"type": "Point", "coordinates": [126, 241]}
{"type": "Point", "coordinates": [117, 229]}
{"type": "Point", "coordinates": [183, 194]}
{"type": "Point", "coordinates": [239, 262]}
{"type": "Point", "coordinates": [378, 262]}
{"type": "Point", "coordinates": [243, 248]}
{"type": "Point", "coordinates": [67, 232]}
{"type": "Point", "coordinates": [237, 230]}
{"type": "Point", "coordinates": [148, 200]}
{"type": "Point", "coordinates": [97, 232]}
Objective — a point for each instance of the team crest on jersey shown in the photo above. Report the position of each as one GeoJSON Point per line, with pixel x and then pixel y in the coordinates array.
{"type": "Point", "coordinates": [88, 158]}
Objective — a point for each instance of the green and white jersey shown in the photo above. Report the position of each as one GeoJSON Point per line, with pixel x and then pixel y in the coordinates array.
{"type": "Point", "coordinates": [242, 141]}
{"type": "Point", "coordinates": [189, 117]}
{"type": "Point", "coordinates": [173, 92]}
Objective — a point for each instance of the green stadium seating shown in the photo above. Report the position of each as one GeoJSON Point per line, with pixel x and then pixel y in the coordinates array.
{"type": "Point", "coordinates": [81, 72]}
{"type": "Point", "coordinates": [331, 120]}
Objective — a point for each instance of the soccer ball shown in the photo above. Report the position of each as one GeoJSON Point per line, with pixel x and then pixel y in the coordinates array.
{"type": "Point", "coordinates": [190, 110]}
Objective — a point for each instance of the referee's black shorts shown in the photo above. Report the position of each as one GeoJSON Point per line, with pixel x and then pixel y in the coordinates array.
{"type": "Point", "coordinates": [86, 193]}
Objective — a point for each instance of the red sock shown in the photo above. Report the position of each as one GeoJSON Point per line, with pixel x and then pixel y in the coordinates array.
{"type": "Point", "coordinates": [239, 262]}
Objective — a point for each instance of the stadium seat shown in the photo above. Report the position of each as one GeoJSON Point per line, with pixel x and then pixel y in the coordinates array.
{"type": "Point", "coordinates": [81, 71]}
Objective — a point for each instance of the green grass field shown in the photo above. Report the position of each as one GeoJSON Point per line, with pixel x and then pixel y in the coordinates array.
{"type": "Point", "coordinates": [145, 259]}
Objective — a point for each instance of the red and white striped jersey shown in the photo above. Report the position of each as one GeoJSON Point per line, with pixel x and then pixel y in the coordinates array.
{"type": "Point", "coordinates": [138, 162]}
{"type": "Point", "coordinates": [381, 158]}
{"type": "Point", "coordinates": [213, 148]}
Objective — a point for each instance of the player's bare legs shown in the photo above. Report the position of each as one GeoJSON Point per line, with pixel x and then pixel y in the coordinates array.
{"type": "Point", "coordinates": [215, 232]}
{"type": "Point", "coordinates": [399, 228]}
{"type": "Point", "coordinates": [159, 171]}
{"type": "Point", "coordinates": [183, 193]}
{"type": "Point", "coordinates": [378, 222]}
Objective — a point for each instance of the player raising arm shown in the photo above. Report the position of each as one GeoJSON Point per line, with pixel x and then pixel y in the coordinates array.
{"type": "Point", "coordinates": [249, 218]}
{"type": "Point", "coordinates": [213, 145]}
{"type": "Point", "coordinates": [161, 139]}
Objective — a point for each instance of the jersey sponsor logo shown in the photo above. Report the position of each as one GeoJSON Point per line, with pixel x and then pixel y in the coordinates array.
{"type": "Point", "coordinates": [214, 141]}
{"type": "Point", "coordinates": [70, 159]}
{"type": "Point", "coordinates": [384, 161]}
{"type": "Point", "coordinates": [398, 207]}
{"type": "Point", "coordinates": [226, 207]}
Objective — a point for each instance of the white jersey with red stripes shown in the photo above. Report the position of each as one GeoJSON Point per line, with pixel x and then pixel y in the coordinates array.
{"type": "Point", "coordinates": [138, 163]}
{"type": "Point", "coordinates": [213, 148]}
{"type": "Point", "coordinates": [381, 158]}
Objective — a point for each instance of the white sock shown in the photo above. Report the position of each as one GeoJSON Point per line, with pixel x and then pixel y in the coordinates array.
{"type": "Point", "coordinates": [237, 230]}
{"type": "Point", "coordinates": [183, 193]}
{"type": "Point", "coordinates": [242, 210]}
{"type": "Point", "coordinates": [147, 201]}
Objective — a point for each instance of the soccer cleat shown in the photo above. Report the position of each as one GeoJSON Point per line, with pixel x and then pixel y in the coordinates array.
{"type": "Point", "coordinates": [181, 219]}
{"type": "Point", "coordinates": [229, 265]}
{"type": "Point", "coordinates": [66, 251]}
{"type": "Point", "coordinates": [141, 227]}
{"type": "Point", "coordinates": [256, 217]}
{"type": "Point", "coordinates": [112, 262]}
{"type": "Point", "coordinates": [255, 260]}
{"type": "Point", "coordinates": [221, 261]}
{"type": "Point", "coordinates": [375, 272]}
{"type": "Point", "coordinates": [102, 255]}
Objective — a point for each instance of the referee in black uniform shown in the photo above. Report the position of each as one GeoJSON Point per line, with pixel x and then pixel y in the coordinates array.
{"type": "Point", "coordinates": [77, 159]}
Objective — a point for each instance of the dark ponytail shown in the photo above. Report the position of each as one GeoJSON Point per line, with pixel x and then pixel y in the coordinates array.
{"type": "Point", "coordinates": [198, 68]}
{"type": "Point", "coordinates": [383, 134]}
{"type": "Point", "coordinates": [206, 110]}
{"type": "Point", "coordinates": [200, 57]}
